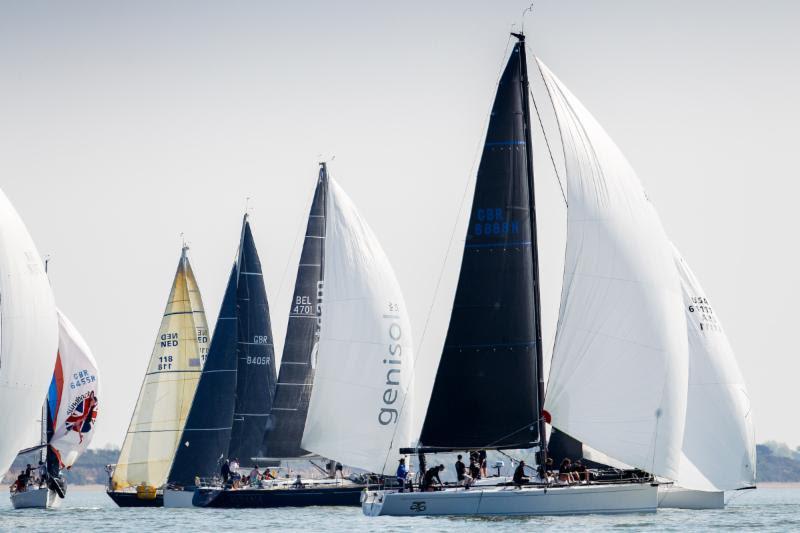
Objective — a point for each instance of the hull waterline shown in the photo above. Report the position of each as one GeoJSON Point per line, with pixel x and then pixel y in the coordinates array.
{"type": "Point", "coordinates": [510, 501]}
{"type": "Point", "coordinates": [269, 498]}
{"type": "Point", "coordinates": [43, 498]}
{"type": "Point", "coordinates": [671, 497]}
{"type": "Point", "coordinates": [131, 499]}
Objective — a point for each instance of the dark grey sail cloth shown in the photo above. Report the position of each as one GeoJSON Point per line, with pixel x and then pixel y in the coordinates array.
{"type": "Point", "coordinates": [204, 442]}
{"type": "Point", "coordinates": [293, 393]}
{"type": "Point", "coordinates": [485, 392]}
{"type": "Point", "coordinates": [256, 376]}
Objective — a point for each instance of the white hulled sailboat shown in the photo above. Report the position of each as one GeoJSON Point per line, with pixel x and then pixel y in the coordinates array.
{"type": "Point", "coordinates": [68, 419]}
{"type": "Point", "coordinates": [621, 360]}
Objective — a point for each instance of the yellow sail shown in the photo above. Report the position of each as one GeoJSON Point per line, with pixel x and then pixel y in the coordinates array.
{"type": "Point", "coordinates": [168, 389]}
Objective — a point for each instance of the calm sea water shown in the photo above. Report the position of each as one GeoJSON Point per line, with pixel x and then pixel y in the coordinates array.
{"type": "Point", "coordinates": [763, 509]}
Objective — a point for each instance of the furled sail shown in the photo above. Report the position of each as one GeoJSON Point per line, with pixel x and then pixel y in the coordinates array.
{"type": "Point", "coordinates": [491, 340]}
{"type": "Point", "coordinates": [365, 350]}
{"type": "Point", "coordinates": [167, 392]}
{"type": "Point", "coordinates": [719, 443]}
{"type": "Point", "coordinates": [620, 363]}
{"type": "Point", "coordinates": [28, 332]}
{"type": "Point", "coordinates": [205, 439]}
{"type": "Point", "coordinates": [74, 396]}
{"type": "Point", "coordinates": [256, 376]}
{"type": "Point", "coordinates": [293, 392]}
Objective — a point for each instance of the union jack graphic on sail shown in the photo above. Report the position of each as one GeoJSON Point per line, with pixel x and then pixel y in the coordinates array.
{"type": "Point", "coordinates": [83, 416]}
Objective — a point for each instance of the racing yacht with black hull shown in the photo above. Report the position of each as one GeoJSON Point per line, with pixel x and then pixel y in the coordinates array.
{"type": "Point", "coordinates": [333, 363]}
{"type": "Point", "coordinates": [620, 321]}
{"type": "Point", "coordinates": [236, 388]}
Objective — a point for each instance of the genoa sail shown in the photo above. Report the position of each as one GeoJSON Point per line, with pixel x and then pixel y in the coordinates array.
{"type": "Point", "coordinates": [491, 341]}
{"type": "Point", "coordinates": [365, 349]}
{"type": "Point", "coordinates": [256, 375]}
{"type": "Point", "coordinates": [296, 377]}
{"type": "Point", "coordinates": [74, 395]}
{"type": "Point", "coordinates": [620, 362]}
{"type": "Point", "coordinates": [167, 392]}
{"type": "Point", "coordinates": [719, 442]}
{"type": "Point", "coordinates": [207, 433]}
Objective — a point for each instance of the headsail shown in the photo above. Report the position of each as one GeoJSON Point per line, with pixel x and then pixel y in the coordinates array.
{"type": "Point", "coordinates": [28, 332]}
{"type": "Point", "coordinates": [167, 392]}
{"type": "Point", "coordinates": [491, 342]}
{"type": "Point", "coordinates": [207, 432]}
{"type": "Point", "coordinates": [293, 392]}
{"type": "Point", "coordinates": [620, 364]}
{"type": "Point", "coordinates": [74, 396]}
{"type": "Point", "coordinates": [719, 450]}
{"type": "Point", "coordinates": [365, 350]}
{"type": "Point", "coordinates": [256, 376]}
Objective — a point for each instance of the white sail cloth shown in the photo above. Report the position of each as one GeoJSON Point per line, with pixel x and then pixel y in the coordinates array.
{"type": "Point", "coordinates": [365, 351]}
{"type": "Point", "coordinates": [74, 395]}
{"type": "Point", "coordinates": [168, 389]}
{"type": "Point", "coordinates": [620, 366]}
{"type": "Point", "coordinates": [719, 450]}
{"type": "Point", "coordinates": [28, 332]}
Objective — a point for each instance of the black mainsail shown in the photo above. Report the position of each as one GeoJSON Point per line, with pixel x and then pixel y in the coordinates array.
{"type": "Point", "coordinates": [293, 392]}
{"type": "Point", "coordinates": [488, 391]}
{"type": "Point", "coordinates": [207, 433]}
{"type": "Point", "coordinates": [256, 376]}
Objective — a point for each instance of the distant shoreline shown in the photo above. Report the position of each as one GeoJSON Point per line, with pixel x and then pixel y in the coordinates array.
{"type": "Point", "coordinates": [779, 484]}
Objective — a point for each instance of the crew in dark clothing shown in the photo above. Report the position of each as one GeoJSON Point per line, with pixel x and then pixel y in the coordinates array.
{"type": "Point", "coordinates": [430, 476]}
{"type": "Point", "coordinates": [474, 470]}
{"type": "Point", "coordinates": [461, 473]}
{"type": "Point", "coordinates": [225, 472]}
{"type": "Point", "coordinates": [482, 463]}
{"type": "Point", "coordinates": [519, 475]}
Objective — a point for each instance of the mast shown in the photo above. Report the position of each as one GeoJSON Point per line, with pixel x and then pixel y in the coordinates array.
{"type": "Point", "coordinates": [526, 111]}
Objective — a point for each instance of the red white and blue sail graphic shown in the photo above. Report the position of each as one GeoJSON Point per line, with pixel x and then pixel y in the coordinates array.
{"type": "Point", "coordinates": [73, 397]}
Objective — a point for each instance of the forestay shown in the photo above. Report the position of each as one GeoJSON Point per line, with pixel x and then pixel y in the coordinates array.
{"type": "Point", "coordinates": [620, 364]}
{"type": "Point", "coordinates": [28, 332]}
{"type": "Point", "coordinates": [365, 353]}
{"type": "Point", "coordinates": [167, 392]}
{"type": "Point", "coordinates": [719, 443]}
{"type": "Point", "coordinates": [74, 395]}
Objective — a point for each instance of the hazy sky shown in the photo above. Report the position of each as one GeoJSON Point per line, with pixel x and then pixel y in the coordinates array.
{"type": "Point", "coordinates": [124, 124]}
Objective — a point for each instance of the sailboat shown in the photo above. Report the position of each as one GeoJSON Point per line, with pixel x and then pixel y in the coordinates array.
{"type": "Point", "coordinates": [28, 330]}
{"type": "Point", "coordinates": [68, 419]}
{"type": "Point", "coordinates": [228, 415]}
{"type": "Point", "coordinates": [165, 396]}
{"type": "Point", "coordinates": [345, 369]}
{"type": "Point", "coordinates": [619, 367]}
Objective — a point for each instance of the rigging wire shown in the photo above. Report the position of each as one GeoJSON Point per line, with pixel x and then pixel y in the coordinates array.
{"type": "Point", "coordinates": [473, 177]}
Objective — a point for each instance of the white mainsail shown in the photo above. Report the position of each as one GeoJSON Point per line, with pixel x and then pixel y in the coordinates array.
{"type": "Point", "coordinates": [74, 395]}
{"type": "Point", "coordinates": [365, 351]}
{"type": "Point", "coordinates": [28, 332]}
{"type": "Point", "coordinates": [719, 451]}
{"type": "Point", "coordinates": [168, 389]}
{"type": "Point", "coordinates": [620, 365]}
